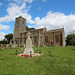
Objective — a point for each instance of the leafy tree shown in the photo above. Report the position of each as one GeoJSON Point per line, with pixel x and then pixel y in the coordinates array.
{"type": "Point", "coordinates": [27, 28]}
{"type": "Point", "coordinates": [3, 41]}
{"type": "Point", "coordinates": [8, 37]}
{"type": "Point", "coordinates": [72, 42]}
{"type": "Point", "coordinates": [70, 39]}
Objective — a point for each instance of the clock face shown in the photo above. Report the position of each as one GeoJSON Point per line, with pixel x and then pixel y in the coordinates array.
{"type": "Point", "coordinates": [17, 25]}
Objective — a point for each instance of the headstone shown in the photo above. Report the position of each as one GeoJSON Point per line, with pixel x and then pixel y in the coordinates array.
{"type": "Point", "coordinates": [28, 48]}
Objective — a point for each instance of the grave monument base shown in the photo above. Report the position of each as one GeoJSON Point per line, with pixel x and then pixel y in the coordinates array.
{"type": "Point", "coordinates": [27, 51]}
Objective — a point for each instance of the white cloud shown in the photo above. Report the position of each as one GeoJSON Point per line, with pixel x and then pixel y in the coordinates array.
{"type": "Point", "coordinates": [2, 35]}
{"type": "Point", "coordinates": [15, 11]}
{"type": "Point", "coordinates": [55, 20]}
{"type": "Point", "coordinates": [29, 1]}
{"type": "Point", "coordinates": [44, 0]}
{"type": "Point", "coordinates": [37, 19]}
{"type": "Point", "coordinates": [4, 27]}
{"type": "Point", "coordinates": [52, 20]}
{"type": "Point", "coordinates": [22, 1]}
{"type": "Point", "coordinates": [0, 4]}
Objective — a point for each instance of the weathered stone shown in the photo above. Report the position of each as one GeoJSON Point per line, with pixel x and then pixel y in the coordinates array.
{"type": "Point", "coordinates": [28, 48]}
{"type": "Point", "coordinates": [39, 36]}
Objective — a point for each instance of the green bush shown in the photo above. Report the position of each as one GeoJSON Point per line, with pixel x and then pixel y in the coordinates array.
{"type": "Point", "coordinates": [72, 42]}
{"type": "Point", "coordinates": [70, 39]}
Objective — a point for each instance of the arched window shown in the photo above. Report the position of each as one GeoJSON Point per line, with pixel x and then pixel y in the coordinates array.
{"type": "Point", "coordinates": [56, 39]}
{"type": "Point", "coordinates": [46, 39]}
{"type": "Point", "coordinates": [23, 21]}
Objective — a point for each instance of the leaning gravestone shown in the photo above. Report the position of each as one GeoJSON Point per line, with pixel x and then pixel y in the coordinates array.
{"type": "Point", "coordinates": [28, 48]}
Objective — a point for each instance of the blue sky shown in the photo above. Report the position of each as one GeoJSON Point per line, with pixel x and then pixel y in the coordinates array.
{"type": "Point", "coordinates": [53, 14]}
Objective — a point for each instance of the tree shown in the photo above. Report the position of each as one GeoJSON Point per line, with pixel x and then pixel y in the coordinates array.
{"type": "Point", "coordinates": [8, 37]}
{"type": "Point", "coordinates": [27, 28]}
{"type": "Point", "coordinates": [70, 39]}
{"type": "Point", "coordinates": [3, 41]}
{"type": "Point", "coordinates": [72, 42]}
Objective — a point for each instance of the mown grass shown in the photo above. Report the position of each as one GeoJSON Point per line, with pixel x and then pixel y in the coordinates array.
{"type": "Point", "coordinates": [53, 61]}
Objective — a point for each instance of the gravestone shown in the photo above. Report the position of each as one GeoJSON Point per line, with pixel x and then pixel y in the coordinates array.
{"type": "Point", "coordinates": [28, 48]}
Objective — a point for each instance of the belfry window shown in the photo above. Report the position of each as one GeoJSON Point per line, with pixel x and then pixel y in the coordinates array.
{"type": "Point", "coordinates": [23, 22]}
{"type": "Point", "coordinates": [56, 39]}
{"type": "Point", "coordinates": [46, 39]}
{"type": "Point", "coordinates": [17, 20]}
{"type": "Point", "coordinates": [35, 39]}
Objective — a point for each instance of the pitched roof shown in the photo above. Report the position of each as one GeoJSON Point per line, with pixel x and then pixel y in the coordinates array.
{"type": "Point", "coordinates": [54, 30]}
{"type": "Point", "coordinates": [32, 30]}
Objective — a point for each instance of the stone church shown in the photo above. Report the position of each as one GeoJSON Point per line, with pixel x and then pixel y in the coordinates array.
{"type": "Point", "coordinates": [39, 36]}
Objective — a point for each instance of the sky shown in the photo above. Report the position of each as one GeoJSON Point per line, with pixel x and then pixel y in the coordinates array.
{"type": "Point", "coordinates": [53, 14]}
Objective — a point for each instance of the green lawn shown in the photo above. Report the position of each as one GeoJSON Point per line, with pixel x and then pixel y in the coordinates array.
{"type": "Point", "coordinates": [53, 61]}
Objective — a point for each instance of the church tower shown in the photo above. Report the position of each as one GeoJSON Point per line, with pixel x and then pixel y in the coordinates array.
{"type": "Point", "coordinates": [20, 25]}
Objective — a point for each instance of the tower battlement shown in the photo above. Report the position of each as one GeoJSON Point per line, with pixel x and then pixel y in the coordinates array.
{"type": "Point", "coordinates": [20, 25]}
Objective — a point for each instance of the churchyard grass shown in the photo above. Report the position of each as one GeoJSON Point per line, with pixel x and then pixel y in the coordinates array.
{"type": "Point", "coordinates": [53, 61]}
